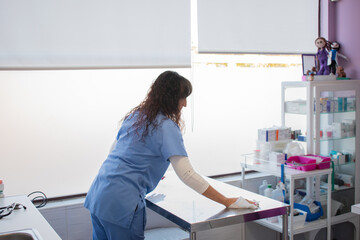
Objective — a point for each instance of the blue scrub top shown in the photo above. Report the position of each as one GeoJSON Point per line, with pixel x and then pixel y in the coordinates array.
{"type": "Point", "coordinates": [133, 169]}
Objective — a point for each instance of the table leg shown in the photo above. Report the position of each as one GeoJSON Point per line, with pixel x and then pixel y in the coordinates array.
{"type": "Point", "coordinates": [291, 211]}
{"type": "Point", "coordinates": [328, 219]}
{"type": "Point", "coordinates": [285, 227]}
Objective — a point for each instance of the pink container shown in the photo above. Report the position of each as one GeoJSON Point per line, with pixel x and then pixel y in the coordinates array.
{"type": "Point", "coordinates": [308, 162]}
{"type": "Point", "coordinates": [325, 163]}
{"type": "Point", "coordinates": [301, 163]}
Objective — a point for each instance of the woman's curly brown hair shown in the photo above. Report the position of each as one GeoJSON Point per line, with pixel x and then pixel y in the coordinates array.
{"type": "Point", "coordinates": [163, 97]}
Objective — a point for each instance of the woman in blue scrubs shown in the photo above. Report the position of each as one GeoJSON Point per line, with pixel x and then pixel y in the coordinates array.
{"type": "Point", "coordinates": [148, 140]}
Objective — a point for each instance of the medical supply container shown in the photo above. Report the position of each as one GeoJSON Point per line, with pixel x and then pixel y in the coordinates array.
{"type": "Point", "coordinates": [278, 194]}
{"type": "Point", "coordinates": [268, 191]}
{"type": "Point", "coordinates": [262, 187]}
{"type": "Point", "coordinates": [257, 156]}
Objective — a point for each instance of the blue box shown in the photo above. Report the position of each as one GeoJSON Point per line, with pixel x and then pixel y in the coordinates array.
{"type": "Point", "coordinates": [340, 104]}
{"type": "Point", "coordinates": [310, 216]}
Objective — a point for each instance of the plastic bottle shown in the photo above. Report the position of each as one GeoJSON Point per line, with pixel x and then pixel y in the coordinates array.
{"type": "Point", "coordinates": [256, 156]}
{"type": "Point", "coordinates": [1, 189]}
{"type": "Point", "coordinates": [268, 191]}
{"type": "Point", "coordinates": [278, 194]}
{"type": "Point", "coordinates": [262, 187]}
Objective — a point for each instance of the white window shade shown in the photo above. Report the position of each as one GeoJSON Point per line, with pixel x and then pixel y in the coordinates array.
{"type": "Point", "coordinates": [94, 34]}
{"type": "Point", "coordinates": [257, 26]}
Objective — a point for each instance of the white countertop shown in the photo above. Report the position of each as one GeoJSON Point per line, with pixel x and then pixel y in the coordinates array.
{"type": "Point", "coordinates": [30, 218]}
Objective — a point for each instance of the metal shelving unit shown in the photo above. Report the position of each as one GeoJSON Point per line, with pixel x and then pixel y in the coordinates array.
{"type": "Point", "coordinates": [315, 120]}
{"type": "Point", "coordinates": [291, 175]}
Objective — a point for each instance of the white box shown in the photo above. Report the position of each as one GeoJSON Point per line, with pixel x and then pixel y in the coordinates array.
{"type": "Point", "coordinates": [276, 157]}
{"type": "Point", "coordinates": [267, 134]}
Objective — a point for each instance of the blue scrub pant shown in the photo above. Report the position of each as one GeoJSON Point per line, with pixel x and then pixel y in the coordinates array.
{"type": "Point", "coordinates": [103, 230]}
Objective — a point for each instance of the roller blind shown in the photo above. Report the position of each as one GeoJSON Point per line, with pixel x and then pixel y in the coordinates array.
{"type": "Point", "coordinates": [257, 26]}
{"type": "Point", "coordinates": [94, 34]}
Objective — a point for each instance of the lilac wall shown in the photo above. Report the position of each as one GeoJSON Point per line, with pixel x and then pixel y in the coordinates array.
{"type": "Point", "coordinates": [343, 25]}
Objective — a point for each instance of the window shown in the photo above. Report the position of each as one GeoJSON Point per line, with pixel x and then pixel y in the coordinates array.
{"type": "Point", "coordinates": [57, 126]}
{"type": "Point", "coordinates": [257, 26]}
{"type": "Point", "coordinates": [234, 96]}
{"type": "Point", "coordinates": [66, 34]}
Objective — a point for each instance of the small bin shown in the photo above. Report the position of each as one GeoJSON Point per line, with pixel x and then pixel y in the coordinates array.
{"type": "Point", "coordinates": [310, 216]}
{"type": "Point", "coordinates": [301, 163]}
{"type": "Point", "coordinates": [324, 163]}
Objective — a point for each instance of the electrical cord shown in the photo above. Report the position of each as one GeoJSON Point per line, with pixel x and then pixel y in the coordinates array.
{"type": "Point", "coordinates": [38, 198]}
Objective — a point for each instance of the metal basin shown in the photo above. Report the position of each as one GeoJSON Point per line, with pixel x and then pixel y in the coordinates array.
{"type": "Point", "coordinates": [24, 234]}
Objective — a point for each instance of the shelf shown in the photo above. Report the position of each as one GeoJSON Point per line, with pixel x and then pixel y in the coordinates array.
{"type": "Point", "coordinates": [342, 217]}
{"type": "Point", "coordinates": [335, 139]}
{"type": "Point", "coordinates": [275, 169]}
{"type": "Point", "coordinates": [343, 188]}
{"type": "Point", "coordinates": [302, 114]}
{"type": "Point", "coordinates": [343, 164]}
{"type": "Point", "coordinates": [336, 164]}
{"type": "Point", "coordinates": [339, 189]}
{"type": "Point", "coordinates": [327, 113]}
{"type": "Point", "coordinates": [308, 226]}
{"type": "Point", "coordinates": [321, 113]}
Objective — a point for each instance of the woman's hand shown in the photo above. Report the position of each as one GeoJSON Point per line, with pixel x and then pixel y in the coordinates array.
{"type": "Point", "coordinates": [240, 203]}
{"type": "Point", "coordinates": [251, 202]}
{"type": "Point", "coordinates": [229, 201]}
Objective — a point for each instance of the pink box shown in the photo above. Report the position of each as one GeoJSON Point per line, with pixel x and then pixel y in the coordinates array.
{"type": "Point", "coordinates": [308, 162]}
{"type": "Point", "coordinates": [325, 163]}
{"type": "Point", "coordinates": [301, 163]}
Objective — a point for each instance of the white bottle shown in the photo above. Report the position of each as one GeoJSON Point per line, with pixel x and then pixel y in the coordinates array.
{"type": "Point", "coordinates": [262, 187]}
{"type": "Point", "coordinates": [278, 194]}
{"type": "Point", "coordinates": [268, 191]}
{"type": "Point", "coordinates": [1, 189]}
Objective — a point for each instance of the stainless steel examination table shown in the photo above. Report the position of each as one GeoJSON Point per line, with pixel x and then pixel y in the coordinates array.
{"type": "Point", "coordinates": [193, 212]}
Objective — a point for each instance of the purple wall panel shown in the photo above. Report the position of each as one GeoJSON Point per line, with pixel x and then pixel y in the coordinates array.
{"type": "Point", "coordinates": [344, 27]}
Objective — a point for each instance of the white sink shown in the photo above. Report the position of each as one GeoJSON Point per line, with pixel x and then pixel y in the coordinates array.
{"type": "Point", "coordinates": [23, 234]}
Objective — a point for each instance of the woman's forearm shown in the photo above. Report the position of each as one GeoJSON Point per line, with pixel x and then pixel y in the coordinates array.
{"type": "Point", "coordinates": [214, 195]}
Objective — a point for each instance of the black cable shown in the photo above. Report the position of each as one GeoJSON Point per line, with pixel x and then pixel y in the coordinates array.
{"type": "Point", "coordinates": [38, 198]}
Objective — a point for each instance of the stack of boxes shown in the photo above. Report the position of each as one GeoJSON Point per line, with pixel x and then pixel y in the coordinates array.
{"type": "Point", "coordinates": [337, 130]}
{"type": "Point", "coordinates": [274, 134]}
{"type": "Point", "coordinates": [339, 104]}
{"type": "Point", "coordinates": [271, 143]}
{"type": "Point", "coordinates": [343, 129]}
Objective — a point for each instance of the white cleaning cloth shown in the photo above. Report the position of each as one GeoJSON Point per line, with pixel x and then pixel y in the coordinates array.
{"type": "Point", "coordinates": [242, 203]}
